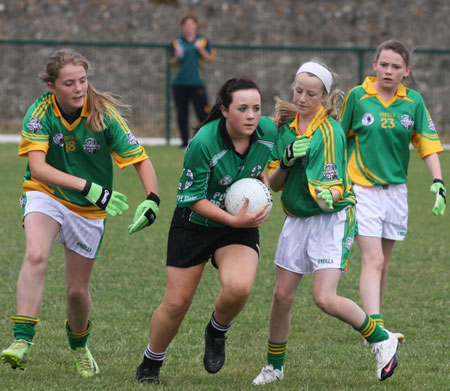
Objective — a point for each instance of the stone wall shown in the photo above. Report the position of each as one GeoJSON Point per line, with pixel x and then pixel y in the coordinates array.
{"type": "Point", "coordinates": [419, 23]}
{"type": "Point", "coordinates": [138, 75]}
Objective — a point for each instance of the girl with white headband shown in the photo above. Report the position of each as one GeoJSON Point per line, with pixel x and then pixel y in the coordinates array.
{"type": "Point", "coordinates": [308, 163]}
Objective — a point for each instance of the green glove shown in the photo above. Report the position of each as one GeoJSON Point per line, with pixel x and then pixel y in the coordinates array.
{"type": "Point", "coordinates": [145, 214]}
{"type": "Point", "coordinates": [324, 198]}
{"type": "Point", "coordinates": [294, 151]}
{"type": "Point", "coordinates": [441, 197]}
{"type": "Point", "coordinates": [113, 202]}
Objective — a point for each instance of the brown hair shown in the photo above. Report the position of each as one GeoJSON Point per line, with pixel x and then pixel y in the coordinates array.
{"type": "Point", "coordinates": [397, 47]}
{"type": "Point", "coordinates": [189, 16]}
{"type": "Point", "coordinates": [98, 103]}
{"type": "Point", "coordinates": [225, 97]}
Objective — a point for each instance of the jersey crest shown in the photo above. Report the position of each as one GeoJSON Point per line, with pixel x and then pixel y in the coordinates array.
{"type": "Point", "coordinates": [34, 125]}
{"type": "Point", "coordinates": [91, 145]}
{"type": "Point", "coordinates": [226, 180]}
{"type": "Point", "coordinates": [58, 139]}
{"type": "Point", "coordinates": [132, 138]}
{"type": "Point", "coordinates": [330, 171]}
{"type": "Point", "coordinates": [431, 125]}
{"type": "Point", "coordinates": [367, 119]}
{"type": "Point", "coordinates": [407, 121]}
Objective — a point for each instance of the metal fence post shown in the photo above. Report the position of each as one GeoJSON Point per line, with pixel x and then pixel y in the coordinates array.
{"type": "Point", "coordinates": [167, 104]}
{"type": "Point", "coordinates": [360, 66]}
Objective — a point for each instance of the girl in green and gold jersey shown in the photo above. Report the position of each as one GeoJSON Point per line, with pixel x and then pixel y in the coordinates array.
{"type": "Point", "coordinates": [308, 164]}
{"type": "Point", "coordinates": [381, 118]}
{"type": "Point", "coordinates": [70, 136]}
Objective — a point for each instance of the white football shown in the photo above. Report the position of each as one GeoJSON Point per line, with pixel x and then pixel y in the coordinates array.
{"type": "Point", "coordinates": [251, 188]}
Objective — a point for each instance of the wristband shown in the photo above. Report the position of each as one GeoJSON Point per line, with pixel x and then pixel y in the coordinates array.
{"type": "Point", "coordinates": [283, 166]}
{"type": "Point", "coordinates": [154, 197]}
{"type": "Point", "coordinates": [86, 188]}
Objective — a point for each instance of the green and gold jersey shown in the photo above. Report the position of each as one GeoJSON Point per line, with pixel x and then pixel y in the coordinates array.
{"type": "Point", "coordinates": [75, 150]}
{"type": "Point", "coordinates": [211, 165]}
{"type": "Point", "coordinates": [190, 67]}
{"type": "Point", "coordinates": [379, 133]}
{"type": "Point", "coordinates": [324, 165]}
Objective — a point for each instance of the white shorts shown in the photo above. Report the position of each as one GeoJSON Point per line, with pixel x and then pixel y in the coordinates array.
{"type": "Point", "coordinates": [77, 233]}
{"type": "Point", "coordinates": [382, 212]}
{"type": "Point", "coordinates": [324, 241]}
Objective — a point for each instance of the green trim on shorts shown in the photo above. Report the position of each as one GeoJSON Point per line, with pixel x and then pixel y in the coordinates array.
{"type": "Point", "coordinates": [349, 236]}
{"type": "Point", "coordinates": [101, 239]}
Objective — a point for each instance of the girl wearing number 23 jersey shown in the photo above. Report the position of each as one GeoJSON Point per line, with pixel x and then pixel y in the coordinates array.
{"type": "Point", "coordinates": [381, 118]}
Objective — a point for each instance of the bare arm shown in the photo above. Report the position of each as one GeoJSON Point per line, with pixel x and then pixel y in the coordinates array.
{"type": "Point", "coordinates": [277, 178]}
{"type": "Point", "coordinates": [44, 172]}
{"type": "Point", "coordinates": [263, 178]}
{"type": "Point", "coordinates": [335, 194]}
{"type": "Point", "coordinates": [147, 176]}
{"type": "Point", "coordinates": [434, 166]}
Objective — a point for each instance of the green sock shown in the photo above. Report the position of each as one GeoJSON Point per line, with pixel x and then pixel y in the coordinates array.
{"type": "Point", "coordinates": [371, 331]}
{"type": "Point", "coordinates": [276, 352]}
{"type": "Point", "coordinates": [78, 340]}
{"type": "Point", "coordinates": [24, 327]}
{"type": "Point", "coordinates": [378, 319]}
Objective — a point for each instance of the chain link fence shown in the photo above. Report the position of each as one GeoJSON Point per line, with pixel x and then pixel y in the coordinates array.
{"type": "Point", "coordinates": [140, 74]}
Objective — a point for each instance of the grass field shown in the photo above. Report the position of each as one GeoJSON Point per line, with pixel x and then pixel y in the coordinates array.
{"type": "Point", "coordinates": [128, 284]}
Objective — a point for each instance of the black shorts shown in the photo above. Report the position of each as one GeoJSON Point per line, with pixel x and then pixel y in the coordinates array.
{"type": "Point", "coordinates": [192, 244]}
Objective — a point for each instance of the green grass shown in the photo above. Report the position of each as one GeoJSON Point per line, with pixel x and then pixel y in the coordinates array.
{"type": "Point", "coordinates": [129, 280]}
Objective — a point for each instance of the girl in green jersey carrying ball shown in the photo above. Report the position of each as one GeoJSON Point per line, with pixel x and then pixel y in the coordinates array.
{"type": "Point", "coordinates": [234, 142]}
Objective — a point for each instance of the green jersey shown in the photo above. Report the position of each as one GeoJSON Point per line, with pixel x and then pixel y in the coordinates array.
{"type": "Point", "coordinates": [74, 149]}
{"type": "Point", "coordinates": [211, 165]}
{"type": "Point", "coordinates": [190, 67]}
{"type": "Point", "coordinates": [324, 165]}
{"type": "Point", "coordinates": [379, 133]}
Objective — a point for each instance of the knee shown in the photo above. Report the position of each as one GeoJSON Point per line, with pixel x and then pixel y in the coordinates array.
{"type": "Point", "coordinates": [77, 295]}
{"type": "Point", "coordinates": [36, 257]}
{"type": "Point", "coordinates": [240, 292]}
{"type": "Point", "coordinates": [374, 262]}
{"type": "Point", "coordinates": [176, 306]}
{"type": "Point", "coordinates": [283, 298]}
{"type": "Point", "coordinates": [324, 301]}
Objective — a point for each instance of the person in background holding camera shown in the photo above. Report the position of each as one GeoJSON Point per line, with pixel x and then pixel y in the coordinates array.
{"type": "Point", "coordinates": [69, 135]}
{"type": "Point", "coordinates": [308, 163]}
{"type": "Point", "coordinates": [190, 51]}
{"type": "Point", "coordinates": [381, 118]}
{"type": "Point", "coordinates": [234, 142]}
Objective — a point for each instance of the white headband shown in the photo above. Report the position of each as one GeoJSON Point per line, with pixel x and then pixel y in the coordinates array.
{"type": "Point", "coordinates": [318, 70]}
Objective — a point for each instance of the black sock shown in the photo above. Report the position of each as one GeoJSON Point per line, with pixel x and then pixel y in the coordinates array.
{"type": "Point", "coordinates": [215, 329]}
{"type": "Point", "coordinates": [149, 363]}
{"type": "Point", "coordinates": [153, 360]}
